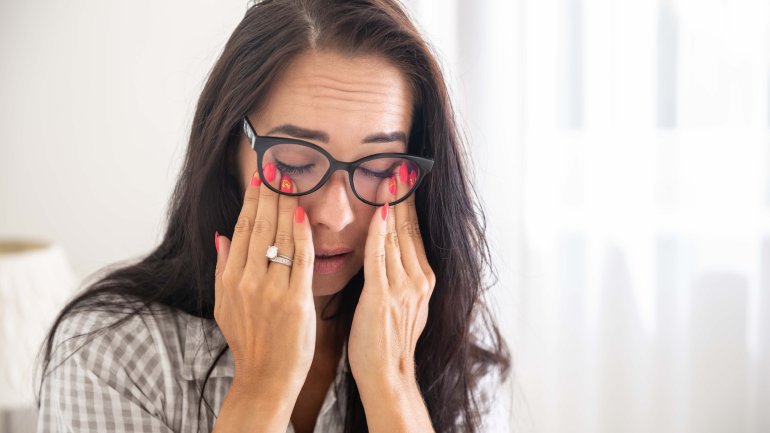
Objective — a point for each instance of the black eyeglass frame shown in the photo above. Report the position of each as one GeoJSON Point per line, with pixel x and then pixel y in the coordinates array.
{"type": "Point", "coordinates": [260, 143]}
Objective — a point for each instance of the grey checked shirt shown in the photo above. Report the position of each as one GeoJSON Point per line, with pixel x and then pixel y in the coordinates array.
{"type": "Point", "coordinates": [141, 377]}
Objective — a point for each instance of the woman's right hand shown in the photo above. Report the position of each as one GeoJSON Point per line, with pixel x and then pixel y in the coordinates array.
{"type": "Point", "coordinates": [265, 310]}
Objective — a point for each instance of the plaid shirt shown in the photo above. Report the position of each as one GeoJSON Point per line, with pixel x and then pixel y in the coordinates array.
{"type": "Point", "coordinates": [145, 376]}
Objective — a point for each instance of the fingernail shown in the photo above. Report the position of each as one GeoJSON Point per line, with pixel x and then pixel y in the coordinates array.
{"type": "Point", "coordinates": [255, 180]}
{"type": "Point", "coordinates": [384, 212]}
{"type": "Point", "coordinates": [392, 186]}
{"type": "Point", "coordinates": [285, 183]}
{"type": "Point", "coordinates": [216, 240]}
{"type": "Point", "coordinates": [269, 171]}
{"type": "Point", "coordinates": [403, 172]}
{"type": "Point", "coordinates": [299, 214]}
{"type": "Point", "coordinates": [412, 178]}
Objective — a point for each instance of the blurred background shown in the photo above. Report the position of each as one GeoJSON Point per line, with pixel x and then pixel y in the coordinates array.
{"type": "Point", "coordinates": [621, 148]}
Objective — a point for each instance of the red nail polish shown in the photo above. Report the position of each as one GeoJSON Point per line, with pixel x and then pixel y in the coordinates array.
{"type": "Point", "coordinates": [403, 172]}
{"type": "Point", "coordinates": [286, 183]}
{"type": "Point", "coordinates": [412, 178]}
{"type": "Point", "coordinates": [255, 180]}
{"type": "Point", "coordinates": [269, 171]}
{"type": "Point", "coordinates": [392, 185]}
{"type": "Point", "coordinates": [384, 212]}
{"type": "Point", "coordinates": [216, 240]}
{"type": "Point", "coordinates": [299, 214]}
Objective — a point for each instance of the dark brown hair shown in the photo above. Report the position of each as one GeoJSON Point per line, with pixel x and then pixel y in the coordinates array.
{"type": "Point", "coordinates": [452, 355]}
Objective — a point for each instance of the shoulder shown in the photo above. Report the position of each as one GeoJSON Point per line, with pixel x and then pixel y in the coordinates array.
{"type": "Point", "coordinates": [120, 343]}
{"type": "Point", "coordinates": [117, 328]}
{"type": "Point", "coordinates": [108, 368]}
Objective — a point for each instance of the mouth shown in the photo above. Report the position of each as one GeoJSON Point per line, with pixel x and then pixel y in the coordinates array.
{"type": "Point", "coordinates": [331, 261]}
{"type": "Point", "coordinates": [326, 253]}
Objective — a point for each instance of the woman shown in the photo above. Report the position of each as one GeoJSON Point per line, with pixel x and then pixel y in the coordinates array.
{"type": "Point", "coordinates": [344, 288]}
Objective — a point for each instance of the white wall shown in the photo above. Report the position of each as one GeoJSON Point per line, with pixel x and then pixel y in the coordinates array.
{"type": "Point", "coordinates": [96, 101]}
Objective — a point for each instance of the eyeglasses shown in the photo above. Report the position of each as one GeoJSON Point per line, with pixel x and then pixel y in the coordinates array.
{"type": "Point", "coordinates": [310, 166]}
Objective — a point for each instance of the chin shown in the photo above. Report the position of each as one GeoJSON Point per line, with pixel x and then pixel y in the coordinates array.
{"type": "Point", "coordinates": [331, 277]}
{"type": "Point", "coordinates": [327, 285]}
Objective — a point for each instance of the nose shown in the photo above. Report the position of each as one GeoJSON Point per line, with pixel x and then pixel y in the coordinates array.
{"type": "Point", "coordinates": [332, 208]}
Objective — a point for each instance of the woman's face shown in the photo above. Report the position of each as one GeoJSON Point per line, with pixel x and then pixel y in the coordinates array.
{"type": "Point", "coordinates": [347, 99]}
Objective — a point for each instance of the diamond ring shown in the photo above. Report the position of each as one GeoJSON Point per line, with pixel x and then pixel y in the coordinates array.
{"type": "Point", "coordinates": [273, 256]}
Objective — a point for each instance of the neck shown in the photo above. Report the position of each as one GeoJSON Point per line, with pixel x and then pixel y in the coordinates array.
{"type": "Point", "coordinates": [326, 333]}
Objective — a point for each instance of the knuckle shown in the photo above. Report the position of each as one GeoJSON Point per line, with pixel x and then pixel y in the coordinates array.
{"type": "Point", "coordinates": [227, 279]}
{"type": "Point", "coordinates": [219, 269]}
{"type": "Point", "coordinates": [286, 211]}
{"type": "Point", "coordinates": [251, 199]}
{"type": "Point", "coordinates": [411, 229]}
{"type": "Point", "coordinates": [243, 225]}
{"type": "Point", "coordinates": [423, 285]}
{"type": "Point", "coordinates": [296, 303]}
{"type": "Point", "coordinates": [262, 226]}
{"type": "Point", "coordinates": [379, 257]}
{"type": "Point", "coordinates": [431, 280]}
{"type": "Point", "coordinates": [393, 238]}
{"type": "Point", "coordinates": [301, 235]}
{"type": "Point", "coordinates": [304, 259]}
{"type": "Point", "coordinates": [283, 238]}
{"type": "Point", "coordinates": [271, 299]}
{"type": "Point", "coordinates": [411, 205]}
{"type": "Point", "coordinates": [266, 193]}
{"type": "Point", "coordinates": [243, 286]}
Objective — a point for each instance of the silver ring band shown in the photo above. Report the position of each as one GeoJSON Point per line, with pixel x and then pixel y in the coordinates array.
{"type": "Point", "coordinates": [282, 260]}
{"type": "Point", "coordinates": [273, 256]}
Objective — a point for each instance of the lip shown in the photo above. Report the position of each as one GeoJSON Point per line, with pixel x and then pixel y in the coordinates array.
{"type": "Point", "coordinates": [331, 265]}
{"type": "Point", "coordinates": [332, 251]}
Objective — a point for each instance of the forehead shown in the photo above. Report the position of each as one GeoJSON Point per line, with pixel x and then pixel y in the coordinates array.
{"type": "Point", "coordinates": [348, 98]}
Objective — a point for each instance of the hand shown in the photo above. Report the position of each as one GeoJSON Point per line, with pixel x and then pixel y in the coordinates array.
{"type": "Point", "coordinates": [265, 310]}
{"type": "Point", "coordinates": [398, 282]}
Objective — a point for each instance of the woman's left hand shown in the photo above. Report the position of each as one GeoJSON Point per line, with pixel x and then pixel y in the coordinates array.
{"type": "Point", "coordinates": [393, 308]}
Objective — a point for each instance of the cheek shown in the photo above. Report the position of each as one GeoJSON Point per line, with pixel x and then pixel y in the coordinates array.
{"type": "Point", "coordinates": [364, 215]}
{"type": "Point", "coordinates": [246, 162]}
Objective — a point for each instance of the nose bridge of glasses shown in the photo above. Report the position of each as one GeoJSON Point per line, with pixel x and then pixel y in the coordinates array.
{"type": "Point", "coordinates": [336, 165]}
{"type": "Point", "coordinates": [333, 171]}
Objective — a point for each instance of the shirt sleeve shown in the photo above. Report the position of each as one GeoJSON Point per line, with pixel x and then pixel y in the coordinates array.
{"type": "Point", "coordinates": [107, 382]}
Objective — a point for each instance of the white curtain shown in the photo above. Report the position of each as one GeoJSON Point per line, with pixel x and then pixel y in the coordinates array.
{"type": "Point", "coordinates": [621, 148]}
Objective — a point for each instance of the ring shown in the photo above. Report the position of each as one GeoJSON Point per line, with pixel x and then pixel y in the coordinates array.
{"type": "Point", "coordinates": [273, 256]}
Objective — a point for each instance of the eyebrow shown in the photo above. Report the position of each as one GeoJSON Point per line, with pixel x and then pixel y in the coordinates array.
{"type": "Point", "coordinates": [311, 134]}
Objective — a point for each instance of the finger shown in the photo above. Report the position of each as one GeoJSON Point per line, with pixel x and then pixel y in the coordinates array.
{"type": "Point", "coordinates": [304, 253]}
{"type": "Point", "coordinates": [284, 238]}
{"type": "Point", "coordinates": [375, 271]}
{"type": "Point", "coordinates": [222, 244]}
{"type": "Point", "coordinates": [244, 225]}
{"type": "Point", "coordinates": [393, 266]}
{"type": "Point", "coordinates": [416, 237]}
{"type": "Point", "coordinates": [407, 228]}
{"type": "Point", "coordinates": [263, 233]}
{"type": "Point", "coordinates": [375, 255]}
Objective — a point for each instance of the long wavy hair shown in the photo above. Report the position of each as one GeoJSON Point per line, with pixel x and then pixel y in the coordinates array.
{"type": "Point", "coordinates": [452, 355]}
